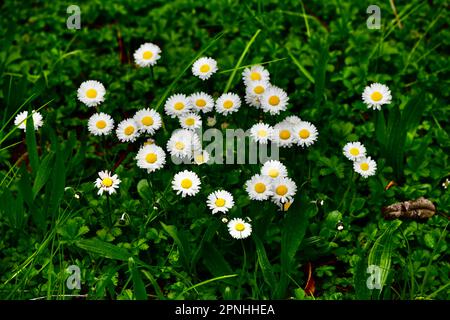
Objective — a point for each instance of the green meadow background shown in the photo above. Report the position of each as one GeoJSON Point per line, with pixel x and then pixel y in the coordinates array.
{"type": "Point", "coordinates": [166, 247]}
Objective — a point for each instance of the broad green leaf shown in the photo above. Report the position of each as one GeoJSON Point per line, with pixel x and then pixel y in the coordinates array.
{"type": "Point", "coordinates": [138, 285]}
{"type": "Point", "coordinates": [104, 249]}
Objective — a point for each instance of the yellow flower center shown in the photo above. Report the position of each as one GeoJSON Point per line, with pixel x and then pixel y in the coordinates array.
{"type": "Point", "coordinates": [190, 121]}
{"type": "Point", "coordinates": [258, 89]}
{"type": "Point", "coordinates": [274, 100]}
{"type": "Point", "coordinates": [364, 166]}
{"type": "Point", "coordinates": [91, 93]}
{"type": "Point", "coordinates": [228, 104]}
{"type": "Point", "coordinates": [147, 55]}
{"type": "Point", "coordinates": [376, 96]}
{"type": "Point", "coordinates": [274, 173]}
{"type": "Point", "coordinates": [129, 130]}
{"type": "Point", "coordinates": [200, 103]}
{"type": "Point", "coordinates": [199, 158]}
{"type": "Point", "coordinates": [179, 106]}
{"type": "Point", "coordinates": [186, 183]}
{"type": "Point", "coordinates": [262, 133]}
{"type": "Point", "coordinates": [281, 190]}
{"type": "Point", "coordinates": [240, 227]}
{"type": "Point", "coordinates": [285, 134]}
{"type": "Point", "coordinates": [147, 121]}
{"type": "Point", "coordinates": [354, 151]}
{"type": "Point", "coordinates": [220, 202]}
{"type": "Point", "coordinates": [107, 182]}
{"type": "Point", "coordinates": [255, 76]}
{"type": "Point", "coordinates": [204, 68]}
{"type": "Point", "coordinates": [101, 124]}
{"type": "Point", "coordinates": [304, 134]}
{"type": "Point", "coordinates": [151, 158]}
{"type": "Point", "coordinates": [260, 187]}
{"type": "Point", "coordinates": [179, 145]}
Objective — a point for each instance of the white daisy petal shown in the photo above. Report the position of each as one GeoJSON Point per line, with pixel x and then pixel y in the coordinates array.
{"type": "Point", "coordinates": [183, 143]}
{"type": "Point", "coordinates": [252, 100]}
{"type": "Point", "coordinates": [365, 167]}
{"type": "Point", "coordinates": [376, 95]}
{"type": "Point", "coordinates": [274, 169]}
{"type": "Point", "coordinates": [186, 183]}
{"type": "Point", "coordinates": [151, 157]}
{"type": "Point", "coordinates": [261, 133]}
{"type": "Point", "coordinates": [239, 229]}
{"type": "Point", "coordinates": [282, 135]}
{"type": "Point", "coordinates": [201, 157]}
{"type": "Point", "coordinates": [127, 130]}
{"type": "Point", "coordinates": [255, 73]}
{"type": "Point", "coordinates": [100, 124]}
{"type": "Point", "coordinates": [148, 120]}
{"type": "Point", "coordinates": [107, 182]}
{"type": "Point", "coordinates": [190, 121]}
{"type": "Point", "coordinates": [201, 101]}
{"type": "Point", "coordinates": [204, 68]}
{"type": "Point", "coordinates": [147, 55]}
{"type": "Point", "coordinates": [354, 150]}
{"type": "Point", "coordinates": [257, 88]}
{"type": "Point", "coordinates": [305, 134]}
{"type": "Point", "coordinates": [220, 201]}
{"type": "Point", "coordinates": [21, 120]}
{"type": "Point", "coordinates": [259, 187]}
{"type": "Point", "coordinates": [177, 105]}
{"type": "Point", "coordinates": [274, 100]}
{"type": "Point", "coordinates": [91, 93]}
{"type": "Point", "coordinates": [228, 103]}
{"type": "Point", "coordinates": [284, 189]}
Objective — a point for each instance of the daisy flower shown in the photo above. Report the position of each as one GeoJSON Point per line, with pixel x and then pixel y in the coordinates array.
{"type": "Point", "coordinates": [107, 182]}
{"type": "Point", "coordinates": [354, 150]}
{"type": "Point", "coordinates": [190, 121]}
{"type": "Point", "coordinates": [127, 130]}
{"type": "Point", "coordinates": [261, 132]}
{"type": "Point", "coordinates": [148, 120]}
{"type": "Point", "coordinates": [239, 229]}
{"type": "Point", "coordinates": [305, 134]}
{"type": "Point", "coordinates": [284, 189]}
{"type": "Point", "coordinates": [274, 169]}
{"type": "Point", "coordinates": [257, 88]}
{"type": "Point", "coordinates": [147, 55]}
{"type": "Point", "coordinates": [176, 105]}
{"type": "Point", "coordinates": [21, 120]}
{"type": "Point", "coordinates": [375, 95]}
{"type": "Point", "coordinates": [100, 124]}
{"type": "Point", "coordinates": [292, 120]}
{"type": "Point", "coordinates": [274, 100]}
{"type": "Point", "coordinates": [228, 103]}
{"type": "Point", "coordinates": [151, 157]}
{"type": "Point", "coordinates": [259, 187]}
{"type": "Point", "coordinates": [204, 68]}
{"type": "Point", "coordinates": [220, 201]}
{"type": "Point", "coordinates": [201, 101]}
{"type": "Point", "coordinates": [255, 73]}
{"type": "Point", "coordinates": [183, 143]}
{"type": "Point", "coordinates": [282, 135]}
{"type": "Point", "coordinates": [252, 100]}
{"type": "Point", "coordinates": [201, 157]}
{"type": "Point", "coordinates": [91, 93]}
{"type": "Point", "coordinates": [365, 167]}
{"type": "Point", "coordinates": [186, 182]}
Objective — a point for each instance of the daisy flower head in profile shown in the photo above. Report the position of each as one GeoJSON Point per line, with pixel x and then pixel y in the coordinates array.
{"type": "Point", "coordinates": [21, 120]}
{"type": "Point", "coordinates": [252, 100]}
{"type": "Point", "coordinates": [201, 101]}
{"type": "Point", "coordinates": [376, 95]}
{"type": "Point", "coordinates": [305, 134]}
{"type": "Point", "coordinates": [220, 201]}
{"type": "Point", "coordinates": [365, 167]}
{"type": "Point", "coordinates": [186, 183]}
{"type": "Point", "coordinates": [148, 120]}
{"type": "Point", "coordinates": [127, 130]}
{"type": "Point", "coordinates": [107, 182]}
{"type": "Point", "coordinates": [284, 189]}
{"type": "Point", "coordinates": [354, 151]}
{"type": "Point", "coordinates": [183, 143]}
{"type": "Point", "coordinates": [261, 133]}
{"type": "Point", "coordinates": [259, 187]}
{"type": "Point", "coordinates": [147, 55]}
{"type": "Point", "coordinates": [190, 121]}
{"type": "Point", "coordinates": [292, 120]}
{"type": "Point", "coordinates": [283, 206]}
{"type": "Point", "coordinates": [201, 157]}
{"type": "Point", "coordinates": [282, 135]}
{"type": "Point", "coordinates": [204, 68]}
{"type": "Point", "coordinates": [228, 103]}
{"type": "Point", "coordinates": [274, 169]}
{"type": "Point", "coordinates": [274, 100]}
{"type": "Point", "coordinates": [100, 124]}
{"type": "Point", "coordinates": [177, 104]}
{"type": "Point", "coordinates": [239, 229]}
{"type": "Point", "coordinates": [91, 93]}
{"type": "Point", "coordinates": [151, 157]}
{"type": "Point", "coordinates": [255, 73]}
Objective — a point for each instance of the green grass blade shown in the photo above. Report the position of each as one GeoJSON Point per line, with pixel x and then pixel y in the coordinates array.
{"type": "Point", "coordinates": [263, 261]}
{"type": "Point", "coordinates": [138, 285]}
{"type": "Point", "coordinates": [301, 68]}
{"type": "Point", "coordinates": [104, 249]}
{"type": "Point", "coordinates": [206, 282]}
